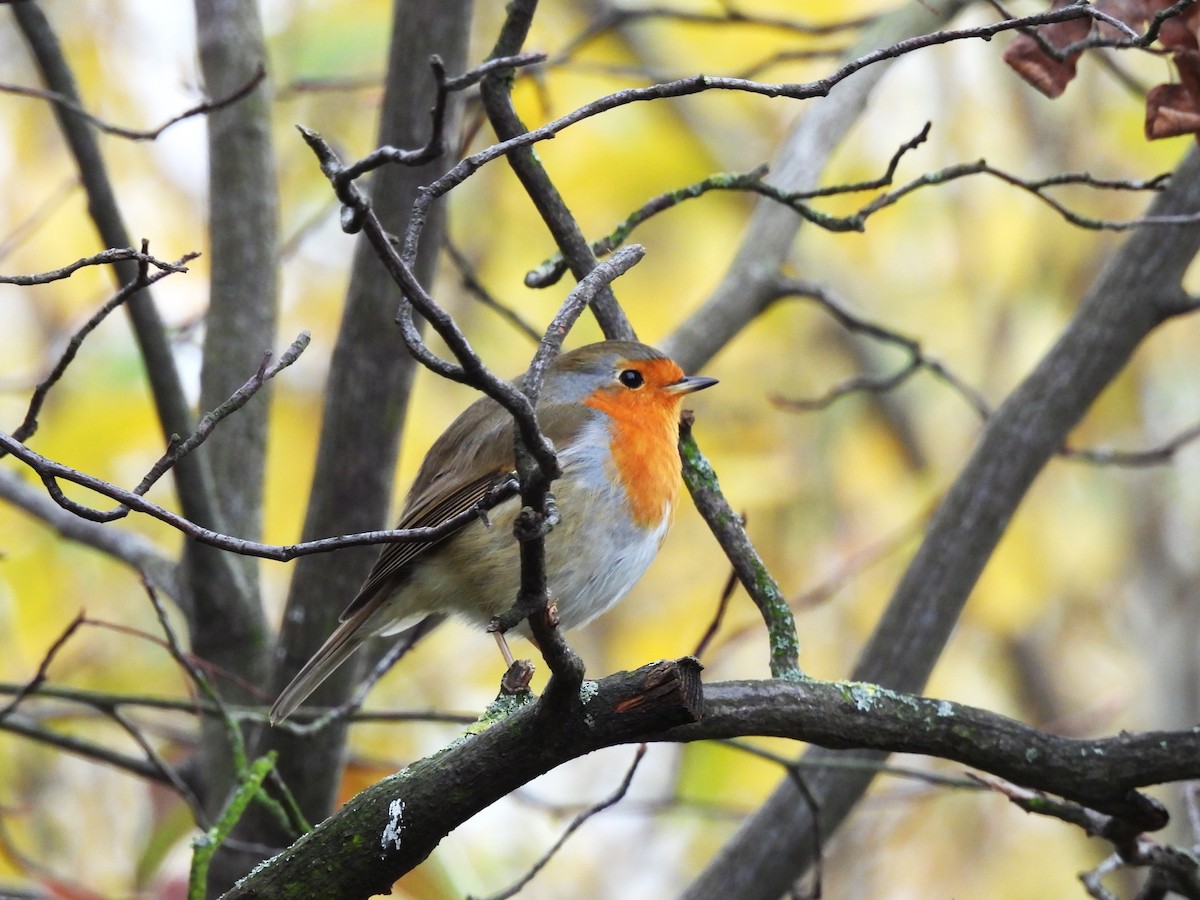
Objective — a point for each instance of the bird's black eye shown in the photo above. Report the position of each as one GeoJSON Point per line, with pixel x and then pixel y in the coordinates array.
{"type": "Point", "coordinates": [631, 378]}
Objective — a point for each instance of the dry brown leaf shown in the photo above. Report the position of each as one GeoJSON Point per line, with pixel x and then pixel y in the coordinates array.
{"type": "Point", "coordinates": [1046, 73]}
{"type": "Point", "coordinates": [1171, 110]}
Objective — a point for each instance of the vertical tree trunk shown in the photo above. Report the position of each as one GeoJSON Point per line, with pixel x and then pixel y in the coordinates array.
{"type": "Point", "coordinates": [366, 400]}
{"type": "Point", "coordinates": [228, 628]}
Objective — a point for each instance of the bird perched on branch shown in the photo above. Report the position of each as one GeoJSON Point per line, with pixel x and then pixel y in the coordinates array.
{"type": "Point", "coordinates": [612, 411]}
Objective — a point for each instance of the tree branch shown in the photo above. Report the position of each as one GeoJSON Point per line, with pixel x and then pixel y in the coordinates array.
{"type": "Point", "coordinates": [1138, 289]}
{"type": "Point", "coordinates": [412, 810]}
{"type": "Point", "coordinates": [174, 414]}
{"type": "Point", "coordinates": [133, 134]}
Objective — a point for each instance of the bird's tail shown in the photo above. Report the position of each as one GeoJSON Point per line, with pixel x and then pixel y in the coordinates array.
{"type": "Point", "coordinates": [340, 646]}
{"type": "Point", "coordinates": [346, 638]}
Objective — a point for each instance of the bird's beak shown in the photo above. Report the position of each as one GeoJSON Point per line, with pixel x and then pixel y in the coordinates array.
{"type": "Point", "coordinates": [689, 384]}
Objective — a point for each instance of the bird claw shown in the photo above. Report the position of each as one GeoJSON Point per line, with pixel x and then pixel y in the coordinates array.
{"type": "Point", "coordinates": [516, 680]}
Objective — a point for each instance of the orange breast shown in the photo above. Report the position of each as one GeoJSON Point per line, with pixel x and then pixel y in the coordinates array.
{"type": "Point", "coordinates": [645, 430]}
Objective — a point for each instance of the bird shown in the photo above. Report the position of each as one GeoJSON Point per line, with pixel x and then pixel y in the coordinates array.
{"type": "Point", "coordinates": [612, 411]}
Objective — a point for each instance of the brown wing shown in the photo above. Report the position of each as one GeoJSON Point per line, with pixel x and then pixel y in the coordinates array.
{"type": "Point", "coordinates": [448, 483]}
{"type": "Point", "coordinates": [436, 510]}
{"type": "Point", "coordinates": [472, 457]}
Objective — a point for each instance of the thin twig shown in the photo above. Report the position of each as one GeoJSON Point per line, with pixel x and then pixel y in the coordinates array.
{"type": "Point", "coordinates": [238, 399]}
{"type": "Point", "coordinates": [918, 359]}
{"type": "Point", "coordinates": [1135, 458]}
{"type": "Point", "coordinates": [39, 677]}
{"type": "Point", "coordinates": [909, 773]}
{"type": "Point", "coordinates": [700, 83]}
{"type": "Point", "coordinates": [434, 146]}
{"type": "Point", "coordinates": [102, 701]}
{"type": "Point", "coordinates": [20, 725]}
{"type": "Point", "coordinates": [133, 134]}
{"type": "Point", "coordinates": [169, 775]}
{"type": "Point", "coordinates": [29, 425]}
{"type": "Point", "coordinates": [104, 257]}
{"type": "Point", "coordinates": [612, 800]}
{"type": "Point", "coordinates": [617, 17]}
{"type": "Point", "coordinates": [553, 269]}
{"type": "Point", "coordinates": [718, 617]}
{"type": "Point", "coordinates": [470, 281]}
{"type": "Point", "coordinates": [51, 471]}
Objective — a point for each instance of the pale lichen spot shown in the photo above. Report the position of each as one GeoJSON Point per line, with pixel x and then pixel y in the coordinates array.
{"type": "Point", "coordinates": [863, 695]}
{"type": "Point", "coordinates": [945, 708]}
{"type": "Point", "coordinates": [391, 832]}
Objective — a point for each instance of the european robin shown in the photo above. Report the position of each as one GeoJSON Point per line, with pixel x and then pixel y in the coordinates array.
{"type": "Point", "coordinates": [612, 412]}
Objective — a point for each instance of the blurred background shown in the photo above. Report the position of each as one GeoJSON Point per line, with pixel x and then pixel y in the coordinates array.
{"type": "Point", "coordinates": [1085, 621]}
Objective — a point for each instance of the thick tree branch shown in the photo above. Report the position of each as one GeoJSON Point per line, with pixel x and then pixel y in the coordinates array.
{"type": "Point", "coordinates": [392, 826]}
{"type": "Point", "coordinates": [496, 91]}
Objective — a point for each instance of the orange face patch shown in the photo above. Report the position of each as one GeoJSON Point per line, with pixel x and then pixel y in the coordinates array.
{"type": "Point", "coordinates": [645, 428]}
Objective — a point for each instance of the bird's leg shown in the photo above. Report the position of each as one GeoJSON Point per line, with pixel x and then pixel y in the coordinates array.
{"type": "Point", "coordinates": [503, 645]}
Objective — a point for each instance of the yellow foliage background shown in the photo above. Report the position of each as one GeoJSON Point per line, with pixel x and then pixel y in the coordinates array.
{"type": "Point", "coordinates": [1075, 624]}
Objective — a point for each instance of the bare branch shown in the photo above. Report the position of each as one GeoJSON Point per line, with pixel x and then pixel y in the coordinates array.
{"type": "Point", "coordinates": [435, 146]}
{"type": "Point", "coordinates": [918, 359]}
{"type": "Point", "coordinates": [1175, 869]}
{"type": "Point", "coordinates": [1037, 188]}
{"type": "Point", "coordinates": [103, 701]}
{"type": "Point", "coordinates": [239, 398]}
{"type": "Point", "coordinates": [97, 753]}
{"type": "Point", "coordinates": [470, 281]}
{"type": "Point", "coordinates": [700, 83]}
{"type": "Point", "coordinates": [51, 471]}
{"type": "Point", "coordinates": [29, 426]}
{"type": "Point", "coordinates": [102, 258]}
{"type": "Point", "coordinates": [616, 17]}
{"type": "Point", "coordinates": [1155, 456]}
{"type": "Point", "coordinates": [719, 615]}
{"type": "Point", "coordinates": [43, 669]}
{"type": "Point", "coordinates": [552, 269]}
{"type": "Point", "coordinates": [69, 103]}
{"type": "Point", "coordinates": [612, 800]}
{"type": "Point", "coordinates": [169, 775]}
{"type": "Point", "coordinates": [726, 526]}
